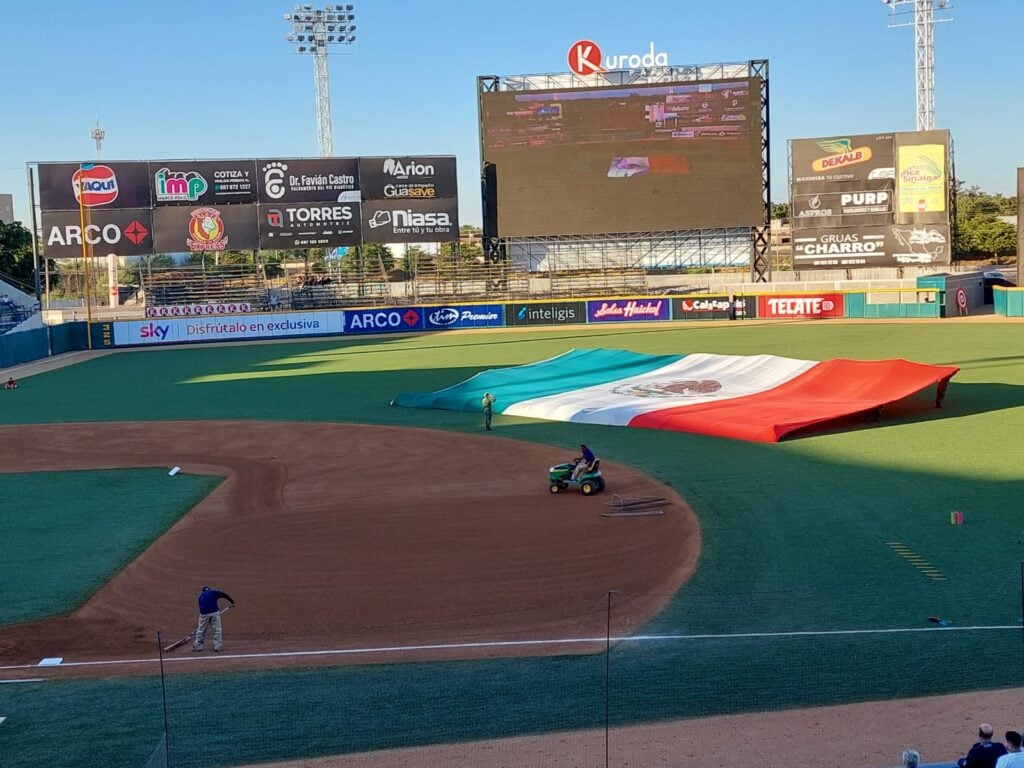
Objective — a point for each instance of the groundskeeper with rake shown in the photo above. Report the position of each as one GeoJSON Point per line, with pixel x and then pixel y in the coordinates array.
{"type": "Point", "coordinates": [209, 613]}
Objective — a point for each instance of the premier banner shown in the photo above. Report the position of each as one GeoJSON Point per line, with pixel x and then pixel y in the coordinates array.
{"type": "Point", "coordinates": [843, 158]}
{"type": "Point", "coordinates": [205, 228]}
{"type": "Point", "coordinates": [69, 186]}
{"type": "Point", "coordinates": [411, 221]}
{"type": "Point", "coordinates": [309, 225]}
{"type": "Point", "coordinates": [404, 178]}
{"type": "Point", "coordinates": [203, 182]}
{"type": "Point", "coordinates": [319, 180]}
{"type": "Point", "coordinates": [122, 232]}
{"type": "Point", "coordinates": [463, 316]}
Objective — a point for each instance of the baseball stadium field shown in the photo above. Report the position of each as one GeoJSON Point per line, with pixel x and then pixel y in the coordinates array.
{"type": "Point", "coordinates": [409, 592]}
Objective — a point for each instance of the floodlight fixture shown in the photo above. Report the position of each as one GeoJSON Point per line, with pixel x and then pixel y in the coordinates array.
{"type": "Point", "coordinates": [315, 31]}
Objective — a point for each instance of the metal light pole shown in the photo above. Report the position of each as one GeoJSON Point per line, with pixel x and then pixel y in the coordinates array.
{"type": "Point", "coordinates": [922, 15]}
{"type": "Point", "coordinates": [317, 31]}
{"type": "Point", "coordinates": [97, 135]}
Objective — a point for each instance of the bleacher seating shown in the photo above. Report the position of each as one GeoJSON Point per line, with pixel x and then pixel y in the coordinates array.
{"type": "Point", "coordinates": [239, 283]}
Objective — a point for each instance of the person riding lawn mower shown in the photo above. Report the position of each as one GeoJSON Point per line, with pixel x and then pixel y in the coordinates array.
{"type": "Point", "coordinates": [584, 471]}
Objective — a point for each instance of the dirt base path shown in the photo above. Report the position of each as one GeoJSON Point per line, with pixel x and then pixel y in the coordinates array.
{"type": "Point", "coordinates": [348, 537]}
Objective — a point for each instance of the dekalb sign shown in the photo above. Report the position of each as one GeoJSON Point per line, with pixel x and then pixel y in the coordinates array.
{"type": "Point", "coordinates": [585, 59]}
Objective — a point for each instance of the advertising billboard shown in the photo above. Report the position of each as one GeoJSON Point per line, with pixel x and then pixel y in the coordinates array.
{"type": "Point", "coordinates": [411, 221]}
{"type": "Point", "coordinates": [843, 158]}
{"type": "Point", "coordinates": [179, 330]}
{"type": "Point", "coordinates": [309, 225]}
{"type": "Point", "coordinates": [712, 307]}
{"type": "Point", "coordinates": [899, 244]}
{"type": "Point", "coordinates": [628, 310]}
{"type": "Point", "coordinates": [205, 228]}
{"type": "Point", "coordinates": [122, 232]}
{"type": "Point", "coordinates": [618, 159]}
{"type": "Point", "coordinates": [402, 178]}
{"type": "Point", "coordinates": [546, 313]}
{"type": "Point", "coordinates": [922, 177]}
{"type": "Point", "coordinates": [812, 306]}
{"type": "Point", "coordinates": [308, 180]}
{"type": "Point", "coordinates": [463, 316]}
{"type": "Point", "coordinates": [384, 320]}
{"type": "Point", "coordinates": [842, 204]}
{"type": "Point", "coordinates": [203, 182]}
{"type": "Point", "coordinates": [66, 186]}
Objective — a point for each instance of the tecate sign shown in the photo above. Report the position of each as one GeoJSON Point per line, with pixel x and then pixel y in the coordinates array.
{"type": "Point", "coordinates": [825, 305]}
{"type": "Point", "coordinates": [585, 58]}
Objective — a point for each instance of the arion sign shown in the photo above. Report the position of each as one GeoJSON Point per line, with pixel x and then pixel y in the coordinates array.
{"type": "Point", "coordinates": [585, 58]}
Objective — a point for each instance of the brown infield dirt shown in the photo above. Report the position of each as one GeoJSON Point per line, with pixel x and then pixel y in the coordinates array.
{"type": "Point", "coordinates": [348, 537]}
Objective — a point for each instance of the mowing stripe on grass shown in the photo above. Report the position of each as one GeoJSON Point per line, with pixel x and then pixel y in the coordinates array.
{"type": "Point", "coordinates": [916, 560]}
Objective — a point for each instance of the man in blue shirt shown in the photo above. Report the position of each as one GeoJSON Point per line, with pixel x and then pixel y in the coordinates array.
{"type": "Point", "coordinates": [209, 613]}
{"type": "Point", "coordinates": [586, 458]}
{"type": "Point", "coordinates": [984, 753]}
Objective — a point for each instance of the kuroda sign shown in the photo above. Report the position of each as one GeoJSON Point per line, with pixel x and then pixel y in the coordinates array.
{"type": "Point", "coordinates": [585, 58]}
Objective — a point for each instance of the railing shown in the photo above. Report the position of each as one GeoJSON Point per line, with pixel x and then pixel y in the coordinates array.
{"type": "Point", "coordinates": [198, 285]}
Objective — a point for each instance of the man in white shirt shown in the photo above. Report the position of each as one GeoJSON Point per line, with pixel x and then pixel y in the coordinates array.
{"type": "Point", "coordinates": [1014, 757]}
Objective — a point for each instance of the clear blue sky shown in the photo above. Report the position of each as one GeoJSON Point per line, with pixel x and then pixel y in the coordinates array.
{"type": "Point", "coordinates": [216, 79]}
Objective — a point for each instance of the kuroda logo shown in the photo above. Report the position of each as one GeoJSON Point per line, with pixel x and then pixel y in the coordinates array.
{"type": "Point", "coordinates": [585, 59]}
{"type": "Point", "coordinates": [154, 331]}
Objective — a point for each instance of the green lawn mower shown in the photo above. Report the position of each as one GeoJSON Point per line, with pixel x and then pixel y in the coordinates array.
{"type": "Point", "coordinates": [589, 483]}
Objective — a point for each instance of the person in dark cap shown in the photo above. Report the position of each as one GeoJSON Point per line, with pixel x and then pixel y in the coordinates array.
{"type": "Point", "coordinates": [209, 613]}
{"type": "Point", "coordinates": [984, 753]}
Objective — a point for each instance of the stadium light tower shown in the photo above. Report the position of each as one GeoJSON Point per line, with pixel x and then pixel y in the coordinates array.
{"type": "Point", "coordinates": [97, 135]}
{"type": "Point", "coordinates": [922, 15]}
{"type": "Point", "coordinates": [317, 31]}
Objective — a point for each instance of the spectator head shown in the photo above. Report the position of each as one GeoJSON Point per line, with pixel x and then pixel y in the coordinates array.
{"type": "Point", "coordinates": [1013, 741]}
{"type": "Point", "coordinates": [911, 758]}
{"type": "Point", "coordinates": [985, 731]}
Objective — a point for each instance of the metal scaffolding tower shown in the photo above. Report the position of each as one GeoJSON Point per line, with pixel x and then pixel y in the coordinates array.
{"type": "Point", "coordinates": [922, 15]}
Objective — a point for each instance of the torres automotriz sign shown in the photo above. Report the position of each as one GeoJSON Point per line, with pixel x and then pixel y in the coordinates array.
{"type": "Point", "coordinates": [803, 306]}
{"type": "Point", "coordinates": [585, 58]}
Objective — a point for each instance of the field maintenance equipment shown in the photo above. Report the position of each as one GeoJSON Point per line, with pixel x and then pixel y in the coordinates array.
{"type": "Point", "coordinates": [590, 482]}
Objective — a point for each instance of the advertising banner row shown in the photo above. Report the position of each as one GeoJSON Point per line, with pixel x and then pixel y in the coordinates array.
{"type": "Point", "coordinates": [178, 330]}
{"type": "Point", "coordinates": [139, 208]}
{"type": "Point", "coordinates": [158, 183]}
{"type": "Point", "coordinates": [141, 231]}
{"type": "Point", "coordinates": [871, 200]}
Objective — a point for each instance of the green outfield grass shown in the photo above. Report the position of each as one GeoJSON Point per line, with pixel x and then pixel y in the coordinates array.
{"type": "Point", "coordinates": [65, 534]}
{"type": "Point", "coordinates": [795, 536]}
